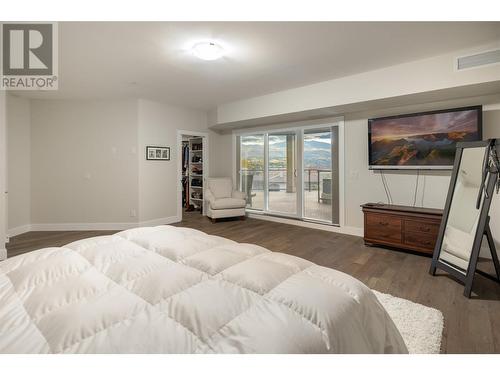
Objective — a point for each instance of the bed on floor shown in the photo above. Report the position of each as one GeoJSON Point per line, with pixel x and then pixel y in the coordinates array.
{"type": "Point", "coordinates": [176, 290]}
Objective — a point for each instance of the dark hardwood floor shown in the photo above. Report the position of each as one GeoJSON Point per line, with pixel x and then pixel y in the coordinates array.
{"type": "Point", "coordinates": [36, 240]}
{"type": "Point", "coordinates": [471, 325]}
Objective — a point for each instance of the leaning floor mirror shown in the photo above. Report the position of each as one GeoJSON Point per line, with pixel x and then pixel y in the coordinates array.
{"type": "Point", "coordinates": [474, 182]}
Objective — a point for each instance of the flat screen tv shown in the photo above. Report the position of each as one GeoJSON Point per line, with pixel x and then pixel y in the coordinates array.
{"type": "Point", "coordinates": [424, 140]}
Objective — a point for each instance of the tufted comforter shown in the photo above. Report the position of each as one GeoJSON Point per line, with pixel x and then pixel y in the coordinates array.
{"type": "Point", "coordinates": [176, 290]}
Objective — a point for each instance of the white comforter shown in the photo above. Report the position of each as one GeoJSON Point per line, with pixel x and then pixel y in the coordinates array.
{"type": "Point", "coordinates": [178, 290]}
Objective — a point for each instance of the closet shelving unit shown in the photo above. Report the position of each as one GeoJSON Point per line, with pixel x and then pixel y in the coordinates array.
{"type": "Point", "coordinates": [195, 166]}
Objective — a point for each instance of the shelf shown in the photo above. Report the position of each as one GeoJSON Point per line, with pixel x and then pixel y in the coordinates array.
{"type": "Point", "coordinates": [195, 169]}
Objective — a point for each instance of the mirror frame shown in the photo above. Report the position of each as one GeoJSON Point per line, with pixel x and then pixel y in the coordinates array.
{"type": "Point", "coordinates": [482, 227]}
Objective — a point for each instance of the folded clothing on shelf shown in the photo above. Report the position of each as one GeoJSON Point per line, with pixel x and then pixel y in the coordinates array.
{"type": "Point", "coordinates": [197, 195]}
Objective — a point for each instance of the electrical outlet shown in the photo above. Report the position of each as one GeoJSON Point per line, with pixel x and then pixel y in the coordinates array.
{"type": "Point", "coordinates": [133, 212]}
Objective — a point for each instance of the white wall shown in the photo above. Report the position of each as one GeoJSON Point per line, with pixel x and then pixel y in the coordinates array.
{"type": "Point", "coordinates": [19, 164]}
{"type": "Point", "coordinates": [84, 161]}
{"type": "Point", "coordinates": [220, 150]}
{"type": "Point", "coordinates": [3, 166]}
{"type": "Point", "coordinates": [221, 157]}
{"type": "Point", "coordinates": [87, 168]}
{"type": "Point", "coordinates": [157, 125]}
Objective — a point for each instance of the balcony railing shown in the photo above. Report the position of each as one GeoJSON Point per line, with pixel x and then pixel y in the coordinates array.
{"type": "Point", "coordinates": [313, 179]}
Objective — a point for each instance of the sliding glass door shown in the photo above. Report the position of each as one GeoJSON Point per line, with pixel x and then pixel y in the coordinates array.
{"type": "Point", "coordinates": [282, 173]}
{"type": "Point", "coordinates": [320, 161]}
{"type": "Point", "coordinates": [293, 173]}
{"type": "Point", "coordinates": [251, 160]}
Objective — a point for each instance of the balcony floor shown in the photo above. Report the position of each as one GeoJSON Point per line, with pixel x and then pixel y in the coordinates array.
{"type": "Point", "coordinates": [286, 203]}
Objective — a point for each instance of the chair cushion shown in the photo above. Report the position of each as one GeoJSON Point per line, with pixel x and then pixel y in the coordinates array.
{"type": "Point", "coordinates": [220, 187]}
{"type": "Point", "coordinates": [223, 203]}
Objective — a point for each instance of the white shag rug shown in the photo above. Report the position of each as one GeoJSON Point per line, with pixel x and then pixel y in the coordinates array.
{"type": "Point", "coordinates": [420, 326]}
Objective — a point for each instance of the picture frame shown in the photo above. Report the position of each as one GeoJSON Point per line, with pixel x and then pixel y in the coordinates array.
{"type": "Point", "coordinates": [157, 153]}
{"type": "Point", "coordinates": [435, 147]}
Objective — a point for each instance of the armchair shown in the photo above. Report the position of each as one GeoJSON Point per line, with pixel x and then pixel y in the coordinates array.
{"type": "Point", "coordinates": [222, 200]}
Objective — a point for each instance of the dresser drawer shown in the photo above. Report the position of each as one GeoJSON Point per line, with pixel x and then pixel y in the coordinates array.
{"type": "Point", "coordinates": [402, 227]}
{"type": "Point", "coordinates": [383, 227]}
{"type": "Point", "coordinates": [421, 227]}
{"type": "Point", "coordinates": [421, 241]}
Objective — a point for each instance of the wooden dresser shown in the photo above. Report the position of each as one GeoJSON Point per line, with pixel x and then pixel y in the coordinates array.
{"type": "Point", "coordinates": [402, 227]}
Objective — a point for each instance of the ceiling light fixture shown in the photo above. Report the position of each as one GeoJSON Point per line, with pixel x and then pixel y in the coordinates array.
{"type": "Point", "coordinates": [208, 51]}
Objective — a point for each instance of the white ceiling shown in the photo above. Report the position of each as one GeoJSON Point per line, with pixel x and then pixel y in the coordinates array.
{"type": "Point", "coordinates": [152, 60]}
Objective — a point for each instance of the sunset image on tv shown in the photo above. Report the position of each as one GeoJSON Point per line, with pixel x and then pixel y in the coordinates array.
{"type": "Point", "coordinates": [421, 140]}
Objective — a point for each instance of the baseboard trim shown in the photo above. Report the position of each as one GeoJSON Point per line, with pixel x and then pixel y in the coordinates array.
{"type": "Point", "coordinates": [18, 230]}
{"type": "Point", "coordinates": [162, 221]}
{"type": "Point", "coordinates": [353, 231]}
{"type": "Point", "coordinates": [89, 226]}
{"type": "Point", "coordinates": [81, 226]}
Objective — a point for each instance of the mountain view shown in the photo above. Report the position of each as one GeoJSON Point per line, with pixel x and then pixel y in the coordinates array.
{"type": "Point", "coordinates": [421, 140]}
{"type": "Point", "coordinates": [432, 149]}
{"type": "Point", "coordinates": [317, 154]}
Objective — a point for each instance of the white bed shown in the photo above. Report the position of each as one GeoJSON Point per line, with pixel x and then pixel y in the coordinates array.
{"type": "Point", "coordinates": [176, 290]}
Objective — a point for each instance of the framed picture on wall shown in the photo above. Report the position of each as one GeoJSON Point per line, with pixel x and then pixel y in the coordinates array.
{"type": "Point", "coordinates": [157, 153]}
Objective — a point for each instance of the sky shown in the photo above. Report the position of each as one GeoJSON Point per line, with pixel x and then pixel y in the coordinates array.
{"type": "Point", "coordinates": [462, 121]}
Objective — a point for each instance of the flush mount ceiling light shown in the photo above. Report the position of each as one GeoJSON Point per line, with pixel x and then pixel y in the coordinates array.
{"type": "Point", "coordinates": [208, 51]}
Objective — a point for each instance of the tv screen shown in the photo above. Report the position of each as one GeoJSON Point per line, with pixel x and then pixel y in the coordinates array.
{"type": "Point", "coordinates": [422, 140]}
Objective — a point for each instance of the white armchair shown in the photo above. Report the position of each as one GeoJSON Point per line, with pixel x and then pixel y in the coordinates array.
{"type": "Point", "coordinates": [222, 200]}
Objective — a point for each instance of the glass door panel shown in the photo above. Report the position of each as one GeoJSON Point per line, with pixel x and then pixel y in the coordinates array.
{"type": "Point", "coordinates": [282, 173]}
{"type": "Point", "coordinates": [252, 170]}
{"type": "Point", "coordinates": [320, 175]}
